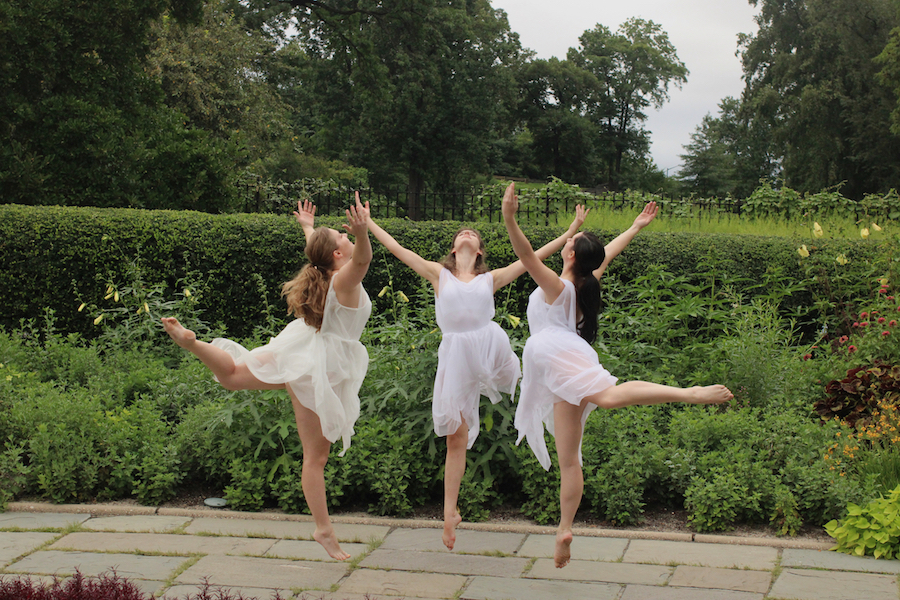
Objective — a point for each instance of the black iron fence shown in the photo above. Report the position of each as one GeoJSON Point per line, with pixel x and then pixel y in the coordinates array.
{"type": "Point", "coordinates": [538, 206]}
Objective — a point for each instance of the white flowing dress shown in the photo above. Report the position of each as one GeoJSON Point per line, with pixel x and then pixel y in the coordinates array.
{"type": "Point", "coordinates": [475, 357]}
{"type": "Point", "coordinates": [559, 366]}
{"type": "Point", "coordinates": [324, 369]}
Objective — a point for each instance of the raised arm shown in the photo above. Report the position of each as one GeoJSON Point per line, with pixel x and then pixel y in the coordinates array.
{"type": "Point", "coordinates": [428, 269]}
{"type": "Point", "coordinates": [615, 247]}
{"type": "Point", "coordinates": [545, 277]}
{"type": "Point", "coordinates": [350, 276]}
{"type": "Point", "coordinates": [306, 216]}
{"type": "Point", "coordinates": [506, 275]}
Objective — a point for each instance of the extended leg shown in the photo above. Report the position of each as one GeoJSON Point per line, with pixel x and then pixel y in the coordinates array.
{"type": "Point", "coordinates": [231, 376]}
{"type": "Point", "coordinates": [454, 470]}
{"type": "Point", "coordinates": [633, 393]}
{"type": "Point", "coordinates": [567, 434]}
{"type": "Point", "coordinates": [315, 456]}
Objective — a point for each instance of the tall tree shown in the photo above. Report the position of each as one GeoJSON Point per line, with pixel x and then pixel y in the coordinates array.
{"type": "Point", "coordinates": [80, 120]}
{"type": "Point", "coordinates": [810, 71]}
{"type": "Point", "coordinates": [634, 67]}
{"type": "Point", "coordinates": [555, 100]}
{"type": "Point", "coordinates": [417, 91]}
{"type": "Point", "coordinates": [728, 154]}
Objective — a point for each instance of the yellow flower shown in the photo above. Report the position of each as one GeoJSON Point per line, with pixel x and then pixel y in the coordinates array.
{"type": "Point", "coordinates": [876, 227]}
{"type": "Point", "coordinates": [81, 308]}
{"type": "Point", "coordinates": [817, 230]}
{"type": "Point", "coordinates": [187, 293]}
{"type": "Point", "coordinates": [883, 281]}
{"type": "Point", "coordinates": [802, 251]}
{"type": "Point", "coordinates": [514, 320]}
{"type": "Point", "coordinates": [383, 291]}
{"type": "Point", "coordinates": [139, 310]}
{"type": "Point", "coordinates": [402, 297]}
{"type": "Point", "coordinates": [98, 319]}
{"type": "Point", "coordinates": [108, 296]}
{"type": "Point", "coordinates": [146, 308]}
{"type": "Point", "coordinates": [864, 233]}
{"type": "Point", "coordinates": [116, 297]}
{"type": "Point", "coordinates": [841, 259]}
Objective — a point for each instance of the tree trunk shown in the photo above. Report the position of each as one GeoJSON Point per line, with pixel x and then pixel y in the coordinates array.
{"type": "Point", "coordinates": [414, 191]}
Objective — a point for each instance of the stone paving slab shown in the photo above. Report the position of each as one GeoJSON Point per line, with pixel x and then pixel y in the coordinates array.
{"type": "Point", "coordinates": [136, 523]}
{"type": "Point", "coordinates": [317, 595]}
{"type": "Point", "coordinates": [808, 584]}
{"type": "Point", "coordinates": [27, 520]}
{"type": "Point", "coordinates": [162, 543]}
{"type": "Point", "coordinates": [740, 580]}
{"type": "Point", "coordinates": [180, 592]}
{"type": "Point", "coordinates": [644, 592]}
{"type": "Point", "coordinates": [302, 530]}
{"type": "Point", "coordinates": [15, 544]}
{"type": "Point", "coordinates": [498, 588]}
{"type": "Point", "coordinates": [305, 550]}
{"type": "Point", "coordinates": [273, 573]}
{"type": "Point", "coordinates": [584, 570]}
{"type": "Point", "coordinates": [467, 541]}
{"type": "Point", "coordinates": [836, 561]}
{"type": "Point", "coordinates": [583, 548]}
{"type": "Point", "coordinates": [130, 566]}
{"type": "Point", "coordinates": [760, 558]}
{"type": "Point", "coordinates": [445, 562]}
{"type": "Point", "coordinates": [401, 583]}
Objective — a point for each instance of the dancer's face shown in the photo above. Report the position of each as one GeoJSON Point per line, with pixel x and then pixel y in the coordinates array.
{"type": "Point", "coordinates": [569, 246]}
{"type": "Point", "coordinates": [467, 237]}
{"type": "Point", "coordinates": [344, 245]}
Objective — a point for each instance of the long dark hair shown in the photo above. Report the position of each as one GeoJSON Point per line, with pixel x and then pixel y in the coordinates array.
{"type": "Point", "coordinates": [449, 261]}
{"type": "Point", "coordinates": [589, 255]}
{"type": "Point", "coordinates": [306, 292]}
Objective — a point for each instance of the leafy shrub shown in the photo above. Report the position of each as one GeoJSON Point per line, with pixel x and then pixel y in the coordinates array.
{"type": "Point", "coordinates": [104, 587]}
{"type": "Point", "coordinates": [854, 399]}
{"type": "Point", "coordinates": [873, 529]}
{"type": "Point", "coordinates": [13, 474]}
{"type": "Point", "coordinates": [714, 500]}
{"type": "Point", "coordinates": [248, 485]}
{"type": "Point", "coordinates": [540, 488]}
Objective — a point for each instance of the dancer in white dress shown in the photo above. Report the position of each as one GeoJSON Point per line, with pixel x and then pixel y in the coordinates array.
{"type": "Point", "coordinates": [317, 358]}
{"type": "Point", "coordinates": [563, 379]}
{"type": "Point", "coordinates": [475, 357]}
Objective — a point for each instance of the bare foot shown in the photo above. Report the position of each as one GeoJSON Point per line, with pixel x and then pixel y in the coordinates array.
{"type": "Point", "coordinates": [711, 394]}
{"type": "Point", "coordinates": [183, 337]}
{"type": "Point", "coordinates": [450, 524]}
{"type": "Point", "coordinates": [562, 554]}
{"type": "Point", "coordinates": [329, 541]}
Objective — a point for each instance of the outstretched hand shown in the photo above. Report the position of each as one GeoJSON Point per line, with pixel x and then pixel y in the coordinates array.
{"type": "Point", "coordinates": [510, 202]}
{"type": "Point", "coordinates": [581, 214]}
{"type": "Point", "coordinates": [647, 215]}
{"type": "Point", "coordinates": [305, 213]}
{"type": "Point", "coordinates": [358, 218]}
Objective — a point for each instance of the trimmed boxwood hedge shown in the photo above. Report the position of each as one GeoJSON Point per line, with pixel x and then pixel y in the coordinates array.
{"type": "Point", "coordinates": [52, 256]}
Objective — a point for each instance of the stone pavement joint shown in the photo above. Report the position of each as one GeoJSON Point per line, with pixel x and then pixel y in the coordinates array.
{"type": "Point", "coordinates": [171, 554]}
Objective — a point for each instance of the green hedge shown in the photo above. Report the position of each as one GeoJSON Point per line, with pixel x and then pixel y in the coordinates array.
{"type": "Point", "coordinates": [56, 257]}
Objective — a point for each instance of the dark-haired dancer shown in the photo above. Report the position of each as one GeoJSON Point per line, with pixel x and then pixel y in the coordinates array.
{"type": "Point", "coordinates": [317, 358]}
{"type": "Point", "coordinates": [563, 378]}
{"type": "Point", "coordinates": [475, 357]}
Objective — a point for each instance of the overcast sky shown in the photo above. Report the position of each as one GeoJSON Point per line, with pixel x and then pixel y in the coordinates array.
{"type": "Point", "coordinates": [703, 32]}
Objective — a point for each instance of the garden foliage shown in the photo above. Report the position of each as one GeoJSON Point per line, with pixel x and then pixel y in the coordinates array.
{"type": "Point", "coordinates": [123, 412]}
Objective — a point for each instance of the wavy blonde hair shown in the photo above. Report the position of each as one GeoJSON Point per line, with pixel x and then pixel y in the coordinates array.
{"type": "Point", "coordinates": [305, 293]}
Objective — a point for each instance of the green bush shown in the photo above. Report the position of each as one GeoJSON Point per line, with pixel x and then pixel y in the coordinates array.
{"type": "Point", "coordinates": [873, 529]}
{"type": "Point", "coordinates": [60, 257]}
